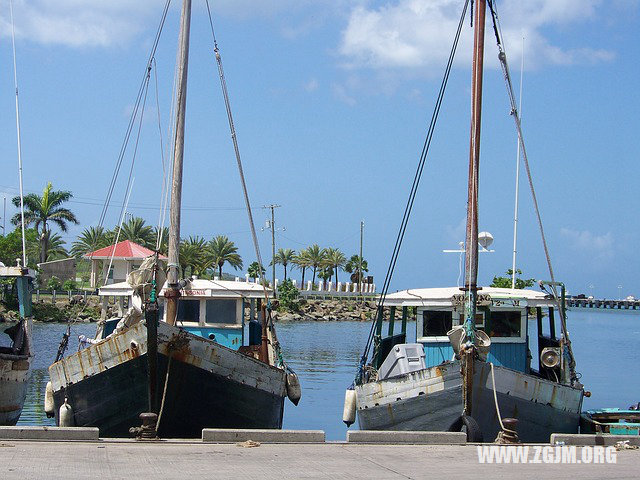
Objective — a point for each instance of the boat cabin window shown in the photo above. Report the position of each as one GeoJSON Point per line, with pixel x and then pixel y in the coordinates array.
{"type": "Point", "coordinates": [436, 323]}
{"type": "Point", "coordinates": [188, 310]}
{"type": "Point", "coordinates": [221, 311]}
{"type": "Point", "coordinates": [505, 324]}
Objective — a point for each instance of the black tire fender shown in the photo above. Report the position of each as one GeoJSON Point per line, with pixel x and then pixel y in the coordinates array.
{"type": "Point", "coordinates": [474, 434]}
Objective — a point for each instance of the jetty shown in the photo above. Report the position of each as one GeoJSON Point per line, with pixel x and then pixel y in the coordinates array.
{"type": "Point", "coordinates": [603, 304]}
{"type": "Point", "coordinates": [36, 452]}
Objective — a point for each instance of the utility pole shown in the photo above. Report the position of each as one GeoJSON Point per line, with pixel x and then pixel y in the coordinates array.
{"type": "Point", "coordinates": [272, 226]}
{"type": "Point", "coordinates": [360, 259]}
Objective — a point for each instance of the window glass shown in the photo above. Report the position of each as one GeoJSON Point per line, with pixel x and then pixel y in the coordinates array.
{"type": "Point", "coordinates": [221, 311]}
{"type": "Point", "coordinates": [436, 323]}
{"type": "Point", "coordinates": [188, 310]}
{"type": "Point", "coordinates": [505, 324]}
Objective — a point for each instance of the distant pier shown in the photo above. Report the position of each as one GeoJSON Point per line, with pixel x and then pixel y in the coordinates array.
{"type": "Point", "coordinates": [603, 304]}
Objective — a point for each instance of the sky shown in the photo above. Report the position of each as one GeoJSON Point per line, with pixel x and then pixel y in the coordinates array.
{"type": "Point", "coordinates": [331, 103]}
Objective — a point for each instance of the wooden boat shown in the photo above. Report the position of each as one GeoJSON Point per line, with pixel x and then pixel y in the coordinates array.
{"type": "Point", "coordinates": [616, 421]}
{"type": "Point", "coordinates": [194, 368]}
{"type": "Point", "coordinates": [471, 367]}
{"type": "Point", "coordinates": [15, 359]}
{"type": "Point", "coordinates": [430, 396]}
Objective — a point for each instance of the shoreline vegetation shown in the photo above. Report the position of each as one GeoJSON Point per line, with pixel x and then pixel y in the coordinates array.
{"type": "Point", "coordinates": [309, 310]}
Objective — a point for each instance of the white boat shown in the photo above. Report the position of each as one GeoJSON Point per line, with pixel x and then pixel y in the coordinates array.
{"type": "Point", "coordinates": [474, 365]}
{"type": "Point", "coordinates": [15, 359]}
{"type": "Point", "coordinates": [423, 390]}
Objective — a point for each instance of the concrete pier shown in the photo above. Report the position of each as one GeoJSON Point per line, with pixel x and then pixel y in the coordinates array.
{"type": "Point", "coordinates": [110, 459]}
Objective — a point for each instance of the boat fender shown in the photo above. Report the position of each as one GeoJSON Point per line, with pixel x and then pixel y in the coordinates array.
{"type": "Point", "coordinates": [474, 434]}
{"type": "Point", "coordinates": [49, 407]}
{"type": "Point", "coordinates": [349, 412]}
{"type": "Point", "coordinates": [294, 392]}
{"type": "Point", "coordinates": [66, 415]}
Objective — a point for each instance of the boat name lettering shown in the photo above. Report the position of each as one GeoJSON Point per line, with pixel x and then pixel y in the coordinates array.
{"type": "Point", "coordinates": [482, 299]}
{"type": "Point", "coordinates": [193, 293]}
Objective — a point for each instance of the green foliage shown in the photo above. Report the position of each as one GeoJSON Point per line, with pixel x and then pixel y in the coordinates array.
{"type": "Point", "coordinates": [335, 260]}
{"type": "Point", "coordinates": [11, 245]}
{"type": "Point", "coordinates": [69, 285]}
{"type": "Point", "coordinates": [90, 240]}
{"type": "Point", "coordinates": [284, 256]}
{"type": "Point", "coordinates": [316, 257]}
{"type": "Point", "coordinates": [353, 266]}
{"type": "Point", "coordinates": [505, 282]}
{"type": "Point", "coordinates": [54, 283]}
{"type": "Point", "coordinates": [137, 231]}
{"type": "Point", "coordinates": [255, 269]}
{"type": "Point", "coordinates": [288, 296]}
{"type": "Point", "coordinates": [40, 210]}
{"type": "Point", "coordinates": [193, 256]}
{"type": "Point", "coordinates": [221, 250]}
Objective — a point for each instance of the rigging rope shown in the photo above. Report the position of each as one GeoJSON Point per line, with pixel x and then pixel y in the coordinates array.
{"type": "Point", "coordinates": [414, 188]}
{"type": "Point", "coordinates": [502, 56]}
{"type": "Point", "coordinates": [234, 138]}
{"type": "Point", "coordinates": [134, 114]}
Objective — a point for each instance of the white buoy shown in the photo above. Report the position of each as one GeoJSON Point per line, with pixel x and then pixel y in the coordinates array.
{"type": "Point", "coordinates": [349, 412]}
{"type": "Point", "coordinates": [49, 407]}
{"type": "Point", "coordinates": [65, 415]}
{"type": "Point", "coordinates": [294, 392]}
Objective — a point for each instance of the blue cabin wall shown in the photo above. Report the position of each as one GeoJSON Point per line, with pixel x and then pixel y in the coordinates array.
{"type": "Point", "coordinates": [510, 355]}
{"type": "Point", "coordinates": [231, 338]}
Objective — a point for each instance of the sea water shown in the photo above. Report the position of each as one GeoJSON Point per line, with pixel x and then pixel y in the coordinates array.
{"type": "Point", "coordinates": [325, 357]}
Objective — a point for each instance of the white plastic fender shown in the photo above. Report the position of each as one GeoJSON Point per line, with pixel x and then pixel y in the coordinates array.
{"type": "Point", "coordinates": [349, 412]}
{"type": "Point", "coordinates": [66, 415]}
{"type": "Point", "coordinates": [294, 392]}
{"type": "Point", "coordinates": [49, 407]}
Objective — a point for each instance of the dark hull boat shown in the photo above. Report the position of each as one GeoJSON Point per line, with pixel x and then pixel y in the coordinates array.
{"type": "Point", "coordinates": [201, 384]}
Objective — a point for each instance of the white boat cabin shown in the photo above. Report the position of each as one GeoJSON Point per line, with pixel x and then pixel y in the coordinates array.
{"type": "Point", "coordinates": [212, 309]}
{"type": "Point", "coordinates": [502, 313]}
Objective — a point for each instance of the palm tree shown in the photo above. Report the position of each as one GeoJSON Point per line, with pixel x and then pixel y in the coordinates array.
{"type": "Point", "coordinates": [90, 239]}
{"type": "Point", "coordinates": [136, 231]}
{"type": "Point", "coordinates": [355, 264]}
{"type": "Point", "coordinates": [316, 258]}
{"type": "Point", "coordinates": [283, 257]}
{"type": "Point", "coordinates": [255, 270]}
{"type": "Point", "coordinates": [55, 247]}
{"type": "Point", "coordinates": [193, 256]}
{"type": "Point", "coordinates": [336, 260]}
{"type": "Point", "coordinates": [221, 250]}
{"type": "Point", "coordinates": [325, 273]}
{"type": "Point", "coordinates": [40, 210]}
{"type": "Point", "coordinates": [302, 261]}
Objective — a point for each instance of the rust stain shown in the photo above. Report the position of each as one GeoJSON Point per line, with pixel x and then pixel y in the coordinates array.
{"type": "Point", "coordinates": [9, 408]}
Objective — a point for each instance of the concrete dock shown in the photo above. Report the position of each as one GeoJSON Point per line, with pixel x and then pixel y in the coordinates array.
{"type": "Point", "coordinates": [126, 459]}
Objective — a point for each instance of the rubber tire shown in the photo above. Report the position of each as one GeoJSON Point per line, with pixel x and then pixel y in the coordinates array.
{"type": "Point", "coordinates": [474, 434]}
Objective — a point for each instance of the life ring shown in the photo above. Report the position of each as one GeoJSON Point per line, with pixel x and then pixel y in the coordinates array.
{"type": "Point", "coordinates": [474, 434]}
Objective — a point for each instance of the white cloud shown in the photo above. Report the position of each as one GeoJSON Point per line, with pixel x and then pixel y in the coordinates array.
{"type": "Point", "coordinates": [598, 247]}
{"type": "Point", "coordinates": [417, 34]}
{"type": "Point", "coordinates": [311, 85]}
{"type": "Point", "coordinates": [341, 93]}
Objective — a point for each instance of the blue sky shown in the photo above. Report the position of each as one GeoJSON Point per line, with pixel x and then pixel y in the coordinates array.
{"type": "Point", "coordinates": [331, 101]}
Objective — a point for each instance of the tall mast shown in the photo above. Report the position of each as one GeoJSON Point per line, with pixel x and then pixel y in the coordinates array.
{"type": "Point", "coordinates": [173, 290]}
{"type": "Point", "coordinates": [471, 250]}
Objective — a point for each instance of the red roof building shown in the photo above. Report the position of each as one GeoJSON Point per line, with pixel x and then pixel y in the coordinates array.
{"type": "Point", "coordinates": [127, 256]}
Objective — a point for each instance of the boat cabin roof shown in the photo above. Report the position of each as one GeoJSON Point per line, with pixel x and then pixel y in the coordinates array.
{"type": "Point", "coordinates": [451, 296]}
{"type": "Point", "coordinates": [198, 288]}
{"type": "Point", "coordinates": [12, 272]}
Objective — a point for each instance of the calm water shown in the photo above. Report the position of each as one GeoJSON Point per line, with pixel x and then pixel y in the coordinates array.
{"type": "Point", "coordinates": [324, 354]}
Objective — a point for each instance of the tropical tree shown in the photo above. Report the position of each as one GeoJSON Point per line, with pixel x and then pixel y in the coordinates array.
{"type": "Point", "coordinates": [255, 270]}
{"type": "Point", "coordinates": [55, 248]}
{"type": "Point", "coordinates": [355, 264]}
{"type": "Point", "coordinates": [336, 260]}
{"type": "Point", "coordinates": [39, 211]}
{"type": "Point", "coordinates": [325, 273]}
{"type": "Point", "coordinates": [221, 250]}
{"type": "Point", "coordinates": [284, 256]}
{"type": "Point", "coordinates": [11, 245]}
{"type": "Point", "coordinates": [302, 261]}
{"type": "Point", "coordinates": [193, 256]}
{"type": "Point", "coordinates": [505, 282]}
{"type": "Point", "coordinates": [90, 239]}
{"type": "Point", "coordinates": [137, 231]}
{"type": "Point", "coordinates": [316, 258]}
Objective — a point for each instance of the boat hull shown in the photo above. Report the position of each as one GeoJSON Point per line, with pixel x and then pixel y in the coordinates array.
{"type": "Point", "coordinates": [207, 385]}
{"type": "Point", "coordinates": [431, 400]}
{"type": "Point", "coordinates": [15, 372]}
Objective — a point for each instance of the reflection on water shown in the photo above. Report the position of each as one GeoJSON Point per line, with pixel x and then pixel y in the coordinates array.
{"type": "Point", "coordinates": [325, 356]}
